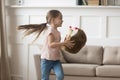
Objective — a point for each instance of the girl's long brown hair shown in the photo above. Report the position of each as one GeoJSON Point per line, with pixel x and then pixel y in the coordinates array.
{"type": "Point", "coordinates": [32, 28]}
{"type": "Point", "coordinates": [38, 28]}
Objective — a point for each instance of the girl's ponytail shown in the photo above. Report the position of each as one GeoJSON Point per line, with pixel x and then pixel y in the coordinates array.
{"type": "Point", "coordinates": [33, 28]}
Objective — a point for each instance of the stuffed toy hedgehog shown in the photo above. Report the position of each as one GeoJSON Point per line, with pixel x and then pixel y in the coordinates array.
{"type": "Point", "coordinates": [79, 38]}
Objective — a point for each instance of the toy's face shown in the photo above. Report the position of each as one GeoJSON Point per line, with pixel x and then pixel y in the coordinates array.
{"type": "Point", "coordinates": [79, 37]}
{"type": "Point", "coordinates": [72, 32]}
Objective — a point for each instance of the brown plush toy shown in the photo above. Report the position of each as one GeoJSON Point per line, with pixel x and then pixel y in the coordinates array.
{"type": "Point", "coordinates": [79, 37]}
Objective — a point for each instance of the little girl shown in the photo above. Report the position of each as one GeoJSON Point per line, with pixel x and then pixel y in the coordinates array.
{"type": "Point", "coordinates": [50, 53]}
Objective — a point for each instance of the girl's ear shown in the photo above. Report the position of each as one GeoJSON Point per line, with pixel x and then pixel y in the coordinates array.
{"type": "Point", "coordinates": [52, 20]}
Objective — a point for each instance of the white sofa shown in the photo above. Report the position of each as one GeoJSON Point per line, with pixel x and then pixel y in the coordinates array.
{"type": "Point", "coordinates": [91, 63]}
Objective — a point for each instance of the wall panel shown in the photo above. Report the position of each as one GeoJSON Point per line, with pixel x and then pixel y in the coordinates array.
{"type": "Point", "coordinates": [92, 26]}
{"type": "Point", "coordinates": [113, 27]}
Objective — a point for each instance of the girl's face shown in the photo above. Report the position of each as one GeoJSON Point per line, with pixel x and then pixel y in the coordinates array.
{"type": "Point", "coordinates": [58, 21]}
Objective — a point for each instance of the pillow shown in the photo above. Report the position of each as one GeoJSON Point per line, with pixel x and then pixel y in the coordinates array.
{"type": "Point", "coordinates": [88, 54]}
{"type": "Point", "coordinates": [111, 55]}
{"type": "Point", "coordinates": [62, 57]}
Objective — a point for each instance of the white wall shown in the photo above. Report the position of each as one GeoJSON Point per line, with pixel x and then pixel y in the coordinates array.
{"type": "Point", "coordinates": [42, 2]}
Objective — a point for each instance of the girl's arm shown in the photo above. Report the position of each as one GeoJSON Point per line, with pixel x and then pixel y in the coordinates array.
{"type": "Point", "coordinates": [54, 44]}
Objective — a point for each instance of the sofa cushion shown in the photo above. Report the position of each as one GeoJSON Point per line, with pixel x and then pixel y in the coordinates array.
{"type": "Point", "coordinates": [111, 55]}
{"type": "Point", "coordinates": [108, 71]}
{"type": "Point", "coordinates": [79, 69]}
{"type": "Point", "coordinates": [87, 55]}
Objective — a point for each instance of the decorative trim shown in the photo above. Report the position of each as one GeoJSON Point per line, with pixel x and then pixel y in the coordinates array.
{"type": "Point", "coordinates": [64, 6]}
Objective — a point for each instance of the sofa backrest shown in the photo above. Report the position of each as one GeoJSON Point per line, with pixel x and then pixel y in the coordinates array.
{"type": "Point", "coordinates": [111, 56]}
{"type": "Point", "coordinates": [88, 54]}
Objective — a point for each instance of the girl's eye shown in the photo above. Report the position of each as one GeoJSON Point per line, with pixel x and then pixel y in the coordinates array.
{"type": "Point", "coordinates": [61, 18]}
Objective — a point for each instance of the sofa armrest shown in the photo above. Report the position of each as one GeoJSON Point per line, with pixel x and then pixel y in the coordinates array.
{"type": "Point", "coordinates": [37, 65]}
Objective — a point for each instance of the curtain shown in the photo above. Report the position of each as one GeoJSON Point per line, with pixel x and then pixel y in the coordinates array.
{"type": "Point", "coordinates": [0, 50]}
{"type": "Point", "coordinates": [5, 70]}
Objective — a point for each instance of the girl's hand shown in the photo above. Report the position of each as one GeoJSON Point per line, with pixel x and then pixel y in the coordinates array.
{"type": "Point", "coordinates": [68, 43]}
